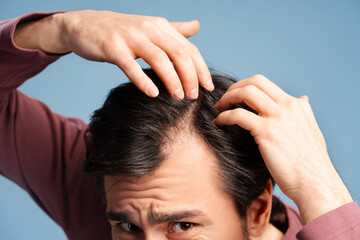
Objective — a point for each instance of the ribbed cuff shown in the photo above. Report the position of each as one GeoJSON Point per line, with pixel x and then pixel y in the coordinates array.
{"type": "Point", "coordinates": [29, 17]}
{"type": "Point", "coordinates": [342, 223]}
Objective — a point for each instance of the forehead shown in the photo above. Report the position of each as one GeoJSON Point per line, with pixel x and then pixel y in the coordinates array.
{"type": "Point", "coordinates": [186, 178]}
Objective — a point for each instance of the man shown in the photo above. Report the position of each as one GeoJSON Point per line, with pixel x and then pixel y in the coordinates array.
{"type": "Point", "coordinates": [43, 151]}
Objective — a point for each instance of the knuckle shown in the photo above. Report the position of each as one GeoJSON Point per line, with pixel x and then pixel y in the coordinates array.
{"type": "Point", "coordinates": [304, 99]}
{"type": "Point", "coordinates": [304, 103]}
{"type": "Point", "coordinates": [126, 67]}
{"type": "Point", "coordinates": [250, 89]}
{"type": "Point", "coordinates": [259, 78]}
{"type": "Point", "coordinates": [111, 40]}
{"type": "Point", "coordinates": [272, 110]}
{"type": "Point", "coordinates": [181, 52]}
{"type": "Point", "coordinates": [237, 112]}
{"type": "Point", "coordinates": [269, 129]}
{"type": "Point", "coordinates": [161, 20]}
{"type": "Point", "coordinates": [146, 25]}
{"type": "Point", "coordinates": [293, 103]}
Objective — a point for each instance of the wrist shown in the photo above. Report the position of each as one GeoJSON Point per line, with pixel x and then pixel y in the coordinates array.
{"type": "Point", "coordinates": [54, 36]}
{"type": "Point", "coordinates": [319, 199]}
{"type": "Point", "coordinates": [45, 34]}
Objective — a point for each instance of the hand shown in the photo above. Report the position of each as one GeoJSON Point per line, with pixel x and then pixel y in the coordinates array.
{"type": "Point", "coordinates": [120, 39]}
{"type": "Point", "coordinates": [290, 142]}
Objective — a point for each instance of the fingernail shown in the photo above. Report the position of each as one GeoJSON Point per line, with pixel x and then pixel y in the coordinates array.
{"type": "Point", "coordinates": [152, 91]}
{"type": "Point", "coordinates": [209, 85]}
{"type": "Point", "coordinates": [194, 94]}
{"type": "Point", "coordinates": [179, 93]}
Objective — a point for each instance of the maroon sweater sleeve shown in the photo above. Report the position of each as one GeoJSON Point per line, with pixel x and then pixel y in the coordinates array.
{"type": "Point", "coordinates": [342, 223]}
{"type": "Point", "coordinates": [43, 151]}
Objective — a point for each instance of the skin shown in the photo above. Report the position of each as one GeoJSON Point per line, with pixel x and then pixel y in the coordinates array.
{"type": "Point", "coordinates": [119, 39]}
{"type": "Point", "coordinates": [290, 142]}
{"type": "Point", "coordinates": [285, 129]}
{"type": "Point", "coordinates": [185, 181]}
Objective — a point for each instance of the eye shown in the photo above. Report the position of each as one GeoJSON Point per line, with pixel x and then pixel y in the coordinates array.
{"type": "Point", "coordinates": [181, 226]}
{"type": "Point", "coordinates": [129, 227]}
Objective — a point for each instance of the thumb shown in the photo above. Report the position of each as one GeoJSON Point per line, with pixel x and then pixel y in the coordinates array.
{"type": "Point", "coordinates": [186, 28]}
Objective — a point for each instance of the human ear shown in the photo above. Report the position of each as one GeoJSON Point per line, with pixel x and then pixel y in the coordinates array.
{"type": "Point", "coordinates": [259, 212]}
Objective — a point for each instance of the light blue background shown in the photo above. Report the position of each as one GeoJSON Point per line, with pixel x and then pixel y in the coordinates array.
{"type": "Point", "coordinates": [306, 47]}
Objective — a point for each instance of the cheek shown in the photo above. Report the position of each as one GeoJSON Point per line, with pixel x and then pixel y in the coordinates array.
{"type": "Point", "coordinates": [220, 231]}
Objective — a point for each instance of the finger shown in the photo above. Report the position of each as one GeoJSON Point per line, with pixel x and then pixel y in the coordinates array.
{"type": "Point", "coordinates": [182, 60]}
{"type": "Point", "coordinates": [161, 64]}
{"type": "Point", "coordinates": [306, 98]}
{"type": "Point", "coordinates": [238, 116]}
{"type": "Point", "coordinates": [267, 86]}
{"type": "Point", "coordinates": [202, 71]}
{"type": "Point", "coordinates": [134, 72]}
{"type": "Point", "coordinates": [187, 29]}
{"type": "Point", "coordinates": [249, 95]}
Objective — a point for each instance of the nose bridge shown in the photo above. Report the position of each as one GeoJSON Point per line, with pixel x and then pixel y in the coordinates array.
{"type": "Point", "coordinates": [153, 235]}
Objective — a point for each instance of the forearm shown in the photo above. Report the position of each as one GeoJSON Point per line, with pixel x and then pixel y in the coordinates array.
{"type": "Point", "coordinates": [45, 34]}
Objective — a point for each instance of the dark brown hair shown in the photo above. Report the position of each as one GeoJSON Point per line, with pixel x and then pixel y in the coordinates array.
{"type": "Point", "coordinates": [126, 135]}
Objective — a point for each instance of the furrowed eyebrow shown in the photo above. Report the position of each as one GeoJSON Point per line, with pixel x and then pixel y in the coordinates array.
{"type": "Point", "coordinates": [158, 218]}
{"type": "Point", "coordinates": [155, 217]}
{"type": "Point", "coordinates": [120, 216]}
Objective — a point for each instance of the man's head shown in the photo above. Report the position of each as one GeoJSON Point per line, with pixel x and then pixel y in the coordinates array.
{"type": "Point", "coordinates": [168, 173]}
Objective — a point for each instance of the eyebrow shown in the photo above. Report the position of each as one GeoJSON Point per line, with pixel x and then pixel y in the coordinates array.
{"type": "Point", "coordinates": [125, 217]}
{"type": "Point", "coordinates": [156, 217]}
